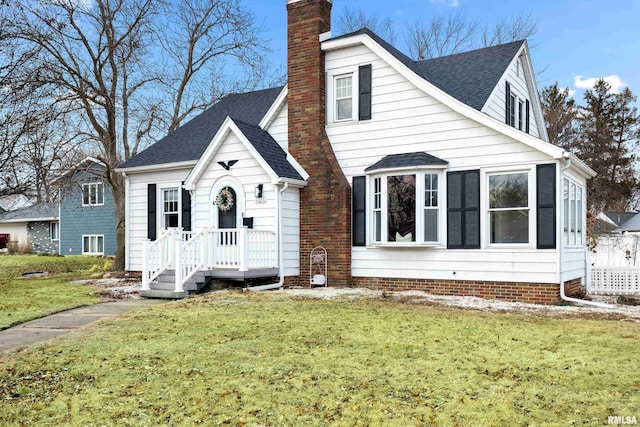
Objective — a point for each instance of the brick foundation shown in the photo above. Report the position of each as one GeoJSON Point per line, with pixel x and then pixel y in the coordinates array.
{"type": "Point", "coordinates": [538, 293]}
{"type": "Point", "coordinates": [325, 203]}
{"type": "Point", "coordinates": [573, 288]}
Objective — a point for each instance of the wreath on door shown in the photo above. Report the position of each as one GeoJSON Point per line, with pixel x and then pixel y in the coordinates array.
{"type": "Point", "coordinates": [224, 200]}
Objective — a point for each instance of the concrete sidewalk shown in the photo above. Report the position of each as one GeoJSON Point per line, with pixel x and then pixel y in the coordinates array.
{"type": "Point", "coordinates": [62, 323]}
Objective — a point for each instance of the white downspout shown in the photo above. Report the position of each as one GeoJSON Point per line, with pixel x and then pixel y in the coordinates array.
{"type": "Point", "coordinates": [280, 248]}
{"type": "Point", "coordinates": [564, 297]}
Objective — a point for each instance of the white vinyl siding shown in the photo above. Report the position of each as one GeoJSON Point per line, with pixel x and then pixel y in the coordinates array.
{"type": "Point", "coordinates": [291, 231]}
{"type": "Point", "coordinates": [279, 127]}
{"type": "Point", "coordinates": [520, 88]}
{"type": "Point", "coordinates": [407, 120]}
{"type": "Point", "coordinates": [137, 209]}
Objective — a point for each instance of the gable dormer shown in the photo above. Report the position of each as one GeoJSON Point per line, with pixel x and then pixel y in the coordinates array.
{"type": "Point", "coordinates": [514, 100]}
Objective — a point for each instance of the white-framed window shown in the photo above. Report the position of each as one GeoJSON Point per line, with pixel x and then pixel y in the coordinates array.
{"type": "Point", "coordinates": [508, 207]}
{"type": "Point", "coordinates": [377, 209]}
{"type": "Point", "coordinates": [520, 114]}
{"type": "Point", "coordinates": [407, 208]}
{"type": "Point", "coordinates": [513, 106]}
{"type": "Point", "coordinates": [54, 230]}
{"type": "Point", "coordinates": [170, 208]}
{"type": "Point", "coordinates": [431, 208]}
{"type": "Point", "coordinates": [572, 216]}
{"type": "Point", "coordinates": [93, 194]}
{"type": "Point", "coordinates": [343, 95]}
{"type": "Point", "coordinates": [92, 244]}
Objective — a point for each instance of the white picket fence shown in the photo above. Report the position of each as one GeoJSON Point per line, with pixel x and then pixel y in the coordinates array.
{"type": "Point", "coordinates": [615, 265]}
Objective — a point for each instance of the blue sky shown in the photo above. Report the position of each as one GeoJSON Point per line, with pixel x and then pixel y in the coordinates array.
{"type": "Point", "coordinates": [576, 40]}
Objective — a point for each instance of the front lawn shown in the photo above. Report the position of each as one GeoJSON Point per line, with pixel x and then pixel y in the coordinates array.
{"type": "Point", "coordinates": [268, 359]}
{"type": "Point", "coordinates": [23, 299]}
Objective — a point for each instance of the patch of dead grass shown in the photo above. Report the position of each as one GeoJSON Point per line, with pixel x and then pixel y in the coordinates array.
{"type": "Point", "coordinates": [268, 359]}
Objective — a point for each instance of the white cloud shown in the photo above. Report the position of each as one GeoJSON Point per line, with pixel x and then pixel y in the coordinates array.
{"type": "Point", "coordinates": [614, 80]}
{"type": "Point", "coordinates": [572, 92]}
{"type": "Point", "coordinates": [450, 3]}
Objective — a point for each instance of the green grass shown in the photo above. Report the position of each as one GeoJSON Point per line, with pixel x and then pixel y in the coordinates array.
{"type": "Point", "coordinates": [271, 360]}
{"type": "Point", "coordinates": [25, 299]}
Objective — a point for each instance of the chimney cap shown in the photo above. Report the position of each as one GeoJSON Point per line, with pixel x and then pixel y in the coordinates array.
{"type": "Point", "coordinates": [295, 1]}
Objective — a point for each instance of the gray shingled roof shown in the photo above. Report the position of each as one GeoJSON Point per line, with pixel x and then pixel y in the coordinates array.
{"type": "Point", "coordinates": [631, 224]}
{"type": "Point", "coordinates": [469, 76]}
{"type": "Point", "coordinates": [269, 149]}
{"type": "Point", "coordinates": [406, 160]}
{"type": "Point", "coordinates": [41, 212]}
{"type": "Point", "coordinates": [190, 140]}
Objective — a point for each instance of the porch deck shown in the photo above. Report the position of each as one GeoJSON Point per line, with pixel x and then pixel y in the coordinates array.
{"type": "Point", "coordinates": [180, 263]}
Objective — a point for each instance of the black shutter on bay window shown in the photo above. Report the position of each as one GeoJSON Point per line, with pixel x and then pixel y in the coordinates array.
{"type": "Point", "coordinates": [186, 210]}
{"type": "Point", "coordinates": [463, 210]}
{"type": "Point", "coordinates": [546, 206]}
{"type": "Point", "coordinates": [359, 214]}
{"type": "Point", "coordinates": [527, 119]}
{"type": "Point", "coordinates": [507, 103]}
{"type": "Point", "coordinates": [151, 212]}
{"type": "Point", "coordinates": [364, 92]}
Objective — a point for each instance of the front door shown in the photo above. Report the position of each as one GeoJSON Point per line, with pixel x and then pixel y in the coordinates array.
{"type": "Point", "coordinates": [226, 202]}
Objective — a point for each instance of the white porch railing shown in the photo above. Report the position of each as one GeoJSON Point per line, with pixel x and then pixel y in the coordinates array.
{"type": "Point", "coordinates": [157, 257]}
{"type": "Point", "coordinates": [614, 280]}
{"type": "Point", "coordinates": [186, 253]}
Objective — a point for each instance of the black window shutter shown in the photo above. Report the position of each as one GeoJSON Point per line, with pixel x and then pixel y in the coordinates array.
{"type": "Point", "coordinates": [546, 206]}
{"type": "Point", "coordinates": [364, 89]}
{"type": "Point", "coordinates": [463, 210]}
{"type": "Point", "coordinates": [507, 104]}
{"type": "Point", "coordinates": [527, 119]}
{"type": "Point", "coordinates": [151, 211]}
{"type": "Point", "coordinates": [454, 210]}
{"type": "Point", "coordinates": [359, 213]}
{"type": "Point", "coordinates": [186, 210]}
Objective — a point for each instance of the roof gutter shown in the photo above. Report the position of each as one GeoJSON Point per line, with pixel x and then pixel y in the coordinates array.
{"type": "Point", "coordinates": [161, 166]}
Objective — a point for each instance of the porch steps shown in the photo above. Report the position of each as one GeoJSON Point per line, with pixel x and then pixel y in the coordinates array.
{"type": "Point", "coordinates": [163, 286]}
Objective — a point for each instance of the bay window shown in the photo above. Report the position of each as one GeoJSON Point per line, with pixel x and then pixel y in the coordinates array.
{"type": "Point", "coordinates": [406, 208]}
{"type": "Point", "coordinates": [509, 207]}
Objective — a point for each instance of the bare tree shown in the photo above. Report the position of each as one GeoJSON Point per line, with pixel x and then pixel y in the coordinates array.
{"type": "Point", "coordinates": [519, 27]}
{"type": "Point", "coordinates": [204, 35]}
{"type": "Point", "coordinates": [354, 19]}
{"type": "Point", "coordinates": [440, 36]}
{"type": "Point", "coordinates": [98, 62]}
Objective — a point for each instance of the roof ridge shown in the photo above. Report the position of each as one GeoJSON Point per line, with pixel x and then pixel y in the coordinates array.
{"type": "Point", "coordinates": [422, 61]}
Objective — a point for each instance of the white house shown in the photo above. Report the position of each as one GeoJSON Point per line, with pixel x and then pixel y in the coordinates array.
{"type": "Point", "coordinates": [433, 175]}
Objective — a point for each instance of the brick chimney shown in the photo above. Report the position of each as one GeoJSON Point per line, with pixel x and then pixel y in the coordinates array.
{"type": "Point", "coordinates": [325, 204]}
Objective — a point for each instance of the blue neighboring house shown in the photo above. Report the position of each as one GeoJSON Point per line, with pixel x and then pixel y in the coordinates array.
{"type": "Point", "coordinates": [87, 213]}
